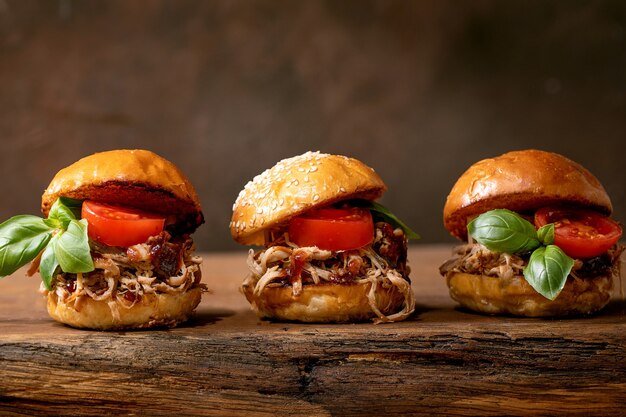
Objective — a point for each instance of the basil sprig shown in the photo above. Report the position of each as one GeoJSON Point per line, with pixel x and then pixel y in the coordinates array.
{"type": "Point", "coordinates": [505, 231]}
{"type": "Point", "coordinates": [547, 270]}
{"type": "Point", "coordinates": [62, 238]}
{"type": "Point", "coordinates": [382, 213]}
{"type": "Point", "coordinates": [21, 240]}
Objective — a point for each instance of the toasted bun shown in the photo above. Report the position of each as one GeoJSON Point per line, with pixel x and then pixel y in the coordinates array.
{"type": "Point", "coordinates": [521, 181]}
{"type": "Point", "coordinates": [324, 303]}
{"type": "Point", "coordinates": [134, 178]}
{"type": "Point", "coordinates": [298, 184]}
{"type": "Point", "coordinates": [153, 310]}
{"type": "Point", "coordinates": [515, 296]}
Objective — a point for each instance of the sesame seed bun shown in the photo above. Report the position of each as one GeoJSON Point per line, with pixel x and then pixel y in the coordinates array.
{"type": "Point", "coordinates": [133, 178]}
{"type": "Point", "coordinates": [324, 303]}
{"type": "Point", "coordinates": [522, 181]}
{"type": "Point", "coordinates": [153, 310]}
{"type": "Point", "coordinates": [295, 185]}
{"type": "Point", "coordinates": [497, 295]}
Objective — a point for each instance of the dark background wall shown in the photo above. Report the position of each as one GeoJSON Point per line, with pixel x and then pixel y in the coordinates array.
{"type": "Point", "coordinates": [418, 90]}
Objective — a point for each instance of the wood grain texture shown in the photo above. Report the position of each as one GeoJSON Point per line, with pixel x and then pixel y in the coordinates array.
{"type": "Point", "coordinates": [225, 361]}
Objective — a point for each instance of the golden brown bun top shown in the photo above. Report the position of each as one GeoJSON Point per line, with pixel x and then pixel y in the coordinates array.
{"type": "Point", "coordinates": [130, 178]}
{"type": "Point", "coordinates": [296, 185]}
{"type": "Point", "coordinates": [522, 181]}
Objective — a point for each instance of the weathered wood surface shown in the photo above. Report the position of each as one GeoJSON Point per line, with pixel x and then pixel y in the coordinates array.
{"type": "Point", "coordinates": [226, 362]}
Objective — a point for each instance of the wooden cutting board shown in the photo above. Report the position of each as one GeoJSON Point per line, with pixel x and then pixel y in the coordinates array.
{"type": "Point", "coordinates": [443, 361]}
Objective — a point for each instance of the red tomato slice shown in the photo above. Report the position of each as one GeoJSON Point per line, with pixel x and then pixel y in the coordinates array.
{"type": "Point", "coordinates": [580, 233]}
{"type": "Point", "coordinates": [119, 226]}
{"type": "Point", "coordinates": [333, 228]}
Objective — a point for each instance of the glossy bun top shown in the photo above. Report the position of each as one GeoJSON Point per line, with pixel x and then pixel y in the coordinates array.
{"type": "Point", "coordinates": [131, 178]}
{"type": "Point", "coordinates": [521, 181]}
{"type": "Point", "coordinates": [296, 185]}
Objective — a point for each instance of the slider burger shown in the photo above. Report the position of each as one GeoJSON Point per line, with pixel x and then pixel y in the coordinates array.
{"type": "Point", "coordinates": [330, 253]}
{"type": "Point", "coordinates": [540, 241]}
{"type": "Point", "coordinates": [114, 251]}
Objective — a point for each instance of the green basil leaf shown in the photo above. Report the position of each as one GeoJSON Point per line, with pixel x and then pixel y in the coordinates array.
{"type": "Point", "coordinates": [547, 270]}
{"type": "Point", "coordinates": [75, 206]}
{"type": "Point", "coordinates": [72, 249]}
{"type": "Point", "coordinates": [502, 230]}
{"type": "Point", "coordinates": [21, 240]}
{"type": "Point", "coordinates": [53, 223]}
{"type": "Point", "coordinates": [48, 263]}
{"type": "Point", "coordinates": [61, 213]}
{"type": "Point", "coordinates": [546, 234]}
{"type": "Point", "coordinates": [382, 213]}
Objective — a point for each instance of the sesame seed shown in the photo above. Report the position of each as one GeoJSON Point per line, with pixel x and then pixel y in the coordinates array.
{"type": "Point", "coordinates": [260, 187]}
{"type": "Point", "coordinates": [316, 197]}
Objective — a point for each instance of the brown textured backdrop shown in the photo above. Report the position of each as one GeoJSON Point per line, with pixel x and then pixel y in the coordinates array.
{"type": "Point", "coordinates": [418, 90]}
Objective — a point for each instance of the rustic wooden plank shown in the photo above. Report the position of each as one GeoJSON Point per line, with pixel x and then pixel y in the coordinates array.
{"type": "Point", "coordinates": [226, 362]}
{"type": "Point", "coordinates": [448, 369]}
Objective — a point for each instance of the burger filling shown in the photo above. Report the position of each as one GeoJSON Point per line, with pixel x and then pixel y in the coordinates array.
{"type": "Point", "coordinates": [476, 259]}
{"type": "Point", "coordinates": [547, 248]}
{"type": "Point", "coordinates": [382, 263]}
{"type": "Point", "coordinates": [123, 276]}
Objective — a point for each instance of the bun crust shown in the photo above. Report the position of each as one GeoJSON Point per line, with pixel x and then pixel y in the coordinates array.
{"type": "Point", "coordinates": [153, 310]}
{"type": "Point", "coordinates": [323, 303]}
{"type": "Point", "coordinates": [521, 181]}
{"type": "Point", "coordinates": [298, 184]}
{"type": "Point", "coordinates": [135, 178]}
{"type": "Point", "coordinates": [515, 296]}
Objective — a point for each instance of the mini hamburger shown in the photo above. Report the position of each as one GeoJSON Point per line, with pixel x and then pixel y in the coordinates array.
{"type": "Point", "coordinates": [114, 251]}
{"type": "Point", "coordinates": [540, 241]}
{"type": "Point", "coordinates": [330, 253]}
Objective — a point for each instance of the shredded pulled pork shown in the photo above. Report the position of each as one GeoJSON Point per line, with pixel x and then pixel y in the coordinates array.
{"type": "Point", "coordinates": [474, 258]}
{"type": "Point", "coordinates": [382, 263]}
{"type": "Point", "coordinates": [123, 276]}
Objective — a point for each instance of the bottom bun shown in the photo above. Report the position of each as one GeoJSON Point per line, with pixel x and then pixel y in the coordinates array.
{"type": "Point", "coordinates": [515, 296]}
{"type": "Point", "coordinates": [324, 303]}
{"type": "Point", "coordinates": [153, 310]}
